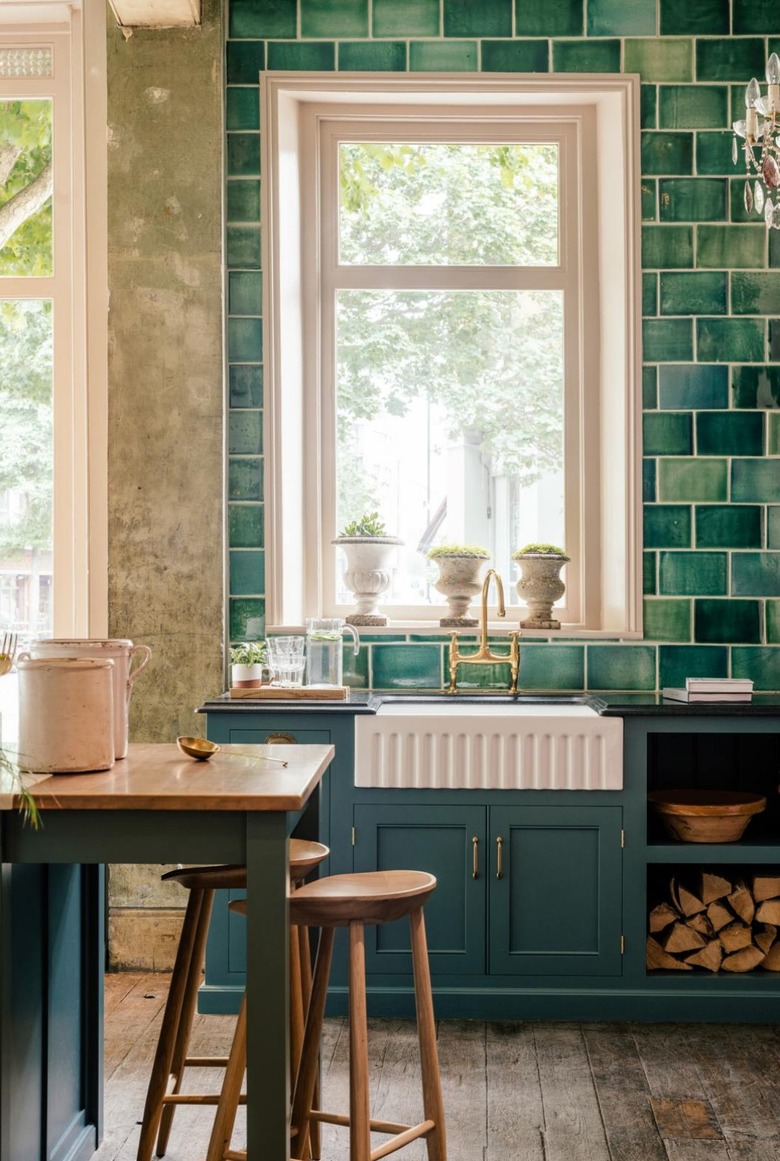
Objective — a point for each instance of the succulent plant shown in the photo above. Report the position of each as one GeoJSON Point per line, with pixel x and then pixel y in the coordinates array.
{"type": "Point", "coordinates": [540, 550]}
{"type": "Point", "coordinates": [458, 550]}
{"type": "Point", "coordinates": [370, 524]}
{"type": "Point", "coordinates": [248, 653]}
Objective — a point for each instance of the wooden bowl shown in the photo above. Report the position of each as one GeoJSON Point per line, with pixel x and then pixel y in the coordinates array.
{"type": "Point", "coordinates": [706, 816]}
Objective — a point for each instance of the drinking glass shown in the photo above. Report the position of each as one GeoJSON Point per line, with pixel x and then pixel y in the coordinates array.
{"type": "Point", "coordinates": [287, 659]}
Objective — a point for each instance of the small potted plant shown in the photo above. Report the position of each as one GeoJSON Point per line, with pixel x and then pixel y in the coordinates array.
{"type": "Point", "coordinates": [459, 580]}
{"type": "Point", "coordinates": [247, 665]}
{"type": "Point", "coordinates": [540, 585]}
{"type": "Point", "coordinates": [369, 551]}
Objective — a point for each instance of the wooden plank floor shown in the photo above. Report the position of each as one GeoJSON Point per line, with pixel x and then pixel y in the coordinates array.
{"type": "Point", "coordinates": [512, 1092]}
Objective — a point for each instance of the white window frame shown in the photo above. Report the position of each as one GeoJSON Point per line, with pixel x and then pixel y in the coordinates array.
{"type": "Point", "coordinates": [304, 115]}
{"type": "Point", "coordinates": [78, 289]}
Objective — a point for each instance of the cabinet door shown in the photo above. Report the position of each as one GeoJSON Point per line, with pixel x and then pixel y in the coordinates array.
{"type": "Point", "coordinates": [556, 907]}
{"type": "Point", "coordinates": [441, 840]}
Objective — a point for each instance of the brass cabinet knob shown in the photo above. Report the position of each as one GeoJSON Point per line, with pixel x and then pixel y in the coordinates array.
{"type": "Point", "coordinates": [279, 739]}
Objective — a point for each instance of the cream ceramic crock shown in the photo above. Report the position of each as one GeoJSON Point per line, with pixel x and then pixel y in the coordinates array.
{"type": "Point", "coordinates": [66, 714]}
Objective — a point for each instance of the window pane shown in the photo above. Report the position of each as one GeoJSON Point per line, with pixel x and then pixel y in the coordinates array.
{"type": "Point", "coordinates": [450, 422]}
{"type": "Point", "coordinates": [448, 204]}
{"type": "Point", "coordinates": [25, 188]}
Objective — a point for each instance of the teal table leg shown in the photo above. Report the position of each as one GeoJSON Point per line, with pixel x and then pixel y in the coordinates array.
{"type": "Point", "coordinates": [268, 1091]}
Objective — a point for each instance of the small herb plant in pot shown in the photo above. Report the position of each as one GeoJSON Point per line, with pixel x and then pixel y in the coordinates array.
{"type": "Point", "coordinates": [460, 566]}
{"type": "Point", "coordinates": [248, 669]}
{"type": "Point", "coordinates": [540, 585]}
{"type": "Point", "coordinates": [369, 551]}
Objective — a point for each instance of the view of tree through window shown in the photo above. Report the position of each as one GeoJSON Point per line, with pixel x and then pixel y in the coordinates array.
{"type": "Point", "coordinates": [449, 398]}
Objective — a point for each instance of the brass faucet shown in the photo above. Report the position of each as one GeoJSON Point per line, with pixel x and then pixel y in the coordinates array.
{"type": "Point", "coordinates": [484, 654]}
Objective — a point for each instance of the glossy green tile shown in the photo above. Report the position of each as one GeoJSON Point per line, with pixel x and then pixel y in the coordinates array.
{"type": "Point", "coordinates": [515, 56]}
{"type": "Point", "coordinates": [755, 480]}
{"type": "Point", "coordinates": [762, 664]}
{"type": "Point", "coordinates": [692, 479]}
{"type": "Point", "coordinates": [242, 247]}
{"type": "Point", "coordinates": [621, 667]}
{"type": "Point", "coordinates": [702, 17]}
{"type": "Point", "coordinates": [667, 526]}
{"type": "Point", "coordinates": [755, 16]}
{"type": "Point", "coordinates": [773, 436]}
{"type": "Point", "coordinates": [755, 293]}
{"type": "Point", "coordinates": [406, 17]}
{"type": "Point", "coordinates": [729, 58]}
{"type": "Point", "coordinates": [495, 676]}
{"type": "Point", "coordinates": [693, 386]}
{"type": "Point", "coordinates": [243, 154]}
{"type": "Point", "coordinates": [583, 56]}
{"type": "Point", "coordinates": [667, 153]}
{"type": "Point", "coordinates": [667, 247]}
{"type": "Point", "coordinates": [245, 340]}
{"type": "Point", "coordinates": [725, 621]}
{"type": "Point", "coordinates": [667, 620]}
{"type": "Point", "coordinates": [309, 56]}
{"type": "Point", "coordinates": [648, 481]}
{"type": "Point", "coordinates": [693, 573]}
{"type": "Point", "coordinates": [554, 18]}
{"type": "Point", "coordinates": [372, 56]}
{"type": "Point", "coordinates": [262, 18]}
{"type": "Point", "coordinates": [649, 387]}
{"type": "Point", "coordinates": [728, 526]}
{"type": "Point", "coordinates": [659, 59]}
{"type": "Point", "coordinates": [330, 18]}
{"type": "Point", "coordinates": [773, 622]}
{"type": "Point", "coordinates": [244, 61]}
{"type": "Point", "coordinates": [245, 385]}
{"type": "Point", "coordinates": [649, 195]}
{"type": "Point", "coordinates": [552, 667]}
{"type": "Point", "coordinates": [247, 573]}
{"type": "Point", "coordinates": [488, 18]}
{"type": "Point", "coordinates": [406, 666]}
{"type": "Point", "coordinates": [245, 433]}
{"type": "Point", "coordinates": [773, 526]}
{"type": "Point", "coordinates": [755, 574]}
{"type": "Point", "coordinates": [773, 327]}
{"type": "Point", "coordinates": [454, 56]}
{"type": "Point", "coordinates": [242, 108]}
{"type": "Point", "coordinates": [621, 18]}
{"type": "Point", "coordinates": [713, 153]}
{"type": "Point", "coordinates": [648, 106]}
{"type": "Point", "coordinates": [693, 106]}
{"type": "Point", "coordinates": [649, 570]}
{"type": "Point", "coordinates": [755, 386]}
{"type": "Point", "coordinates": [245, 293]}
{"type": "Point", "coordinates": [702, 292]}
{"type": "Point", "coordinates": [245, 525]}
{"type": "Point", "coordinates": [676, 662]}
{"type": "Point", "coordinates": [355, 669]}
{"type": "Point", "coordinates": [649, 294]}
{"type": "Point", "coordinates": [667, 433]}
{"type": "Point", "coordinates": [729, 433]}
{"type": "Point", "coordinates": [245, 478]}
{"type": "Point", "coordinates": [243, 201]}
{"type": "Point", "coordinates": [730, 340]}
{"type": "Point", "coordinates": [693, 199]}
{"type": "Point", "coordinates": [667, 340]}
{"type": "Point", "coordinates": [247, 619]}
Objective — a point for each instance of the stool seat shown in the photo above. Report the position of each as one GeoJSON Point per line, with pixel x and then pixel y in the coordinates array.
{"type": "Point", "coordinates": [365, 897]}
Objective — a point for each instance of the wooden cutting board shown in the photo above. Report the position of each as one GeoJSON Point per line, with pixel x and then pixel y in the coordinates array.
{"type": "Point", "coordinates": [300, 693]}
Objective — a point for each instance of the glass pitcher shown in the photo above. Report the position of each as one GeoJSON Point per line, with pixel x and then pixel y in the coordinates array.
{"type": "Point", "coordinates": [324, 649]}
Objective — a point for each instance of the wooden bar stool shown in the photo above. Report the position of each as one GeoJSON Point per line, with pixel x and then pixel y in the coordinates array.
{"type": "Point", "coordinates": [171, 1059]}
{"type": "Point", "coordinates": [351, 901]}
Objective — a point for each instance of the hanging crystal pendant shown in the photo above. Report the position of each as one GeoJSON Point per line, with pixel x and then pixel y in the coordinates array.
{"type": "Point", "coordinates": [758, 197]}
{"type": "Point", "coordinates": [734, 151]}
{"type": "Point", "coordinates": [748, 197]}
{"type": "Point", "coordinates": [771, 172]}
{"type": "Point", "coordinates": [739, 128]}
{"type": "Point", "coordinates": [775, 223]}
{"type": "Point", "coordinates": [769, 211]}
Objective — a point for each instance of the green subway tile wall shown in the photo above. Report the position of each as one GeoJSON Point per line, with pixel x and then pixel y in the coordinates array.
{"type": "Point", "coordinates": [711, 297]}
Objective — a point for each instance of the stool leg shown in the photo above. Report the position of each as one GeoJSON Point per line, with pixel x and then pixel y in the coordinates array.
{"type": "Point", "coordinates": [305, 956]}
{"type": "Point", "coordinates": [436, 1141]}
{"type": "Point", "coordinates": [359, 1101]}
{"type": "Point", "coordinates": [222, 1130]}
{"type": "Point", "coordinates": [161, 1069]}
{"type": "Point", "coordinates": [307, 1072]}
{"type": "Point", "coordinates": [297, 1014]}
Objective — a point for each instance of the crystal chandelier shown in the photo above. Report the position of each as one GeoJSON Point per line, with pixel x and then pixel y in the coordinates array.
{"type": "Point", "coordinates": [761, 145]}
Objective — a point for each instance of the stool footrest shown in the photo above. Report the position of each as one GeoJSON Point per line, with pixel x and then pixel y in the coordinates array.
{"type": "Point", "coordinates": [191, 1098]}
{"type": "Point", "coordinates": [402, 1134]}
{"type": "Point", "coordinates": [206, 1062]}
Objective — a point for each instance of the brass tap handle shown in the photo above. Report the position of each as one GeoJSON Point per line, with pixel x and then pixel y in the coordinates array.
{"type": "Point", "coordinates": [475, 857]}
{"type": "Point", "coordinates": [499, 857]}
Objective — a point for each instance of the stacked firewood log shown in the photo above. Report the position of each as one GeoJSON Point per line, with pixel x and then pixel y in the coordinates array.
{"type": "Point", "coordinates": [717, 923]}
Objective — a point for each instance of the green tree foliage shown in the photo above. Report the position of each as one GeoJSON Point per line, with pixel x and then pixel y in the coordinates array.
{"type": "Point", "coordinates": [25, 188]}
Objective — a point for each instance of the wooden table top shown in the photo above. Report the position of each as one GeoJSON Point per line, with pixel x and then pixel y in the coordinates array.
{"type": "Point", "coordinates": [157, 776]}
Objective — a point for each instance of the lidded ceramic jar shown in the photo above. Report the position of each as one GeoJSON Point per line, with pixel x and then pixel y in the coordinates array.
{"type": "Point", "coordinates": [66, 714]}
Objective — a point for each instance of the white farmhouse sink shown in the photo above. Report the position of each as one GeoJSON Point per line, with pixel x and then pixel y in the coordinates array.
{"type": "Point", "coordinates": [468, 745]}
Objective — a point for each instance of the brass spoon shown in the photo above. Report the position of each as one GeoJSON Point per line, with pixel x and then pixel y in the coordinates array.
{"type": "Point", "coordinates": [203, 749]}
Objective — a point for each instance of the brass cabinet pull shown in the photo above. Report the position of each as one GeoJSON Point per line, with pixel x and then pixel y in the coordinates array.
{"type": "Point", "coordinates": [279, 739]}
{"type": "Point", "coordinates": [475, 857]}
{"type": "Point", "coordinates": [499, 857]}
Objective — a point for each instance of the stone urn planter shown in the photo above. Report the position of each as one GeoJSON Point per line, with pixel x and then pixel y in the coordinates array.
{"type": "Point", "coordinates": [460, 566]}
{"type": "Point", "coordinates": [540, 585]}
{"type": "Point", "coordinates": [368, 573]}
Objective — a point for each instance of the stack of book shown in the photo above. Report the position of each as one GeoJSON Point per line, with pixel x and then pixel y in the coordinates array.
{"type": "Point", "coordinates": [712, 689]}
